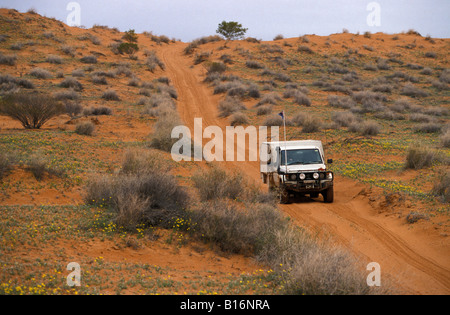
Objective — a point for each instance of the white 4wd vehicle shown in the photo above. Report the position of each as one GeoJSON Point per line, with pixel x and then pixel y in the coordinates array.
{"type": "Point", "coordinates": [296, 167]}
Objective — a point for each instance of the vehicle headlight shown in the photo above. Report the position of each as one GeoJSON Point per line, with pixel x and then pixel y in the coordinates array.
{"type": "Point", "coordinates": [293, 177]}
{"type": "Point", "coordinates": [316, 175]}
{"type": "Point", "coordinates": [302, 176]}
{"type": "Point", "coordinates": [330, 175]}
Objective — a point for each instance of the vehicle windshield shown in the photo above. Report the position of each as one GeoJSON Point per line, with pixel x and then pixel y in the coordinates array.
{"type": "Point", "coordinates": [301, 157]}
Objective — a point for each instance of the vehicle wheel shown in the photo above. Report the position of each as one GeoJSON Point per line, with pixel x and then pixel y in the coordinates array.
{"type": "Point", "coordinates": [328, 195]}
{"type": "Point", "coordinates": [283, 196]}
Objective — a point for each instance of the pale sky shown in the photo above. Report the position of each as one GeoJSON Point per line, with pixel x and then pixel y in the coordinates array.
{"type": "Point", "coordinates": [191, 19]}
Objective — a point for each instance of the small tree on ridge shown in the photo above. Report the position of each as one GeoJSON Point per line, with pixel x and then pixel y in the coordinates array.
{"type": "Point", "coordinates": [231, 30]}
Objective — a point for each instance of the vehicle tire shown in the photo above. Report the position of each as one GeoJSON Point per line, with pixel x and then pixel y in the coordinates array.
{"type": "Point", "coordinates": [283, 195]}
{"type": "Point", "coordinates": [328, 195]}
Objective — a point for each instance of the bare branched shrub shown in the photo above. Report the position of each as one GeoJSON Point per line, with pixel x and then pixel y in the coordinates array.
{"type": "Point", "coordinates": [32, 110]}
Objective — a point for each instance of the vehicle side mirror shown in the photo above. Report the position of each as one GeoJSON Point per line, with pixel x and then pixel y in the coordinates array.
{"type": "Point", "coordinates": [330, 161]}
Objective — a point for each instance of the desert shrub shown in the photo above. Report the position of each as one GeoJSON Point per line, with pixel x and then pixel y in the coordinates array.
{"type": "Point", "coordinates": [273, 120]}
{"type": "Point", "coordinates": [169, 90]}
{"type": "Point", "coordinates": [54, 59]}
{"type": "Point", "coordinates": [71, 83]}
{"type": "Point", "coordinates": [264, 110]}
{"type": "Point", "coordinates": [110, 95]}
{"type": "Point", "coordinates": [97, 111]}
{"type": "Point", "coordinates": [133, 82]}
{"type": "Point", "coordinates": [369, 128]}
{"type": "Point", "coordinates": [216, 183]}
{"type": "Point", "coordinates": [68, 50]}
{"type": "Point", "coordinates": [301, 99]}
{"type": "Point", "coordinates": [79, 73]}
{"type": "Point", "coordinates": [218, 67]}
{"type": "Point", "coordinates": [8, 60]}
{"type": "Point", "coordinates": [239, 119]}
{"type": "Point", "coordinates": [9, 84]}
{"type": "Point", "coordinates": [67, 95]}
{"type": "Point", "coordinates": [418, 117]}
{"type": "Point", "coordinates": [72, 108]}
{"type": "Point", "coordinates": [345, 102]}
{"type": "Point", "coordinates": [39, 166]}
{"type": "Point", "coordinates": [427, 71]}
{"type": "Point", "coordinates": [309, 123]}
{"type": "Point", "coordinates": [201, 57]}
{"type": "Point", "coordinates": [410, 90]}
{"type": "Point", "coordinates": [149, 197]}
{"type": "Point", "coordinates": [441, 188]}
{"type": "Point", "coordinates": [431, 54]}
{"type": "Point", "coordinates": [389, 115]}
{"type": "Point", "coordinates": [162, 136]}
{"type": "Point", "coordinates": [420, 156]}
{"type": "Point", "coordinates": [304, 49]}
{"type": "Point", "coordinates": [32, 110]}
{"type": "Point", "coordinates": [414, 217]}
{"type": "Point", "coordinates": [229, 106]}
{"type": "Point", "coordinates": [164, 80]}
{"type": "Point", "coordinates": [234, 230]}
{"type": "Point", "coordinates": [138, 161]}
{"type": "Point", "coordinates": [253, 64]}
{"type": "Point", "coordinates": [232, 88]}
{"type": "Point", "coordinates": [344, 119]}
{"type": "Point", "coordinates": [365, 128]}
{"type": "Point", "coordinates": [282, 77]}
{"type": "Point", "coordinates": [41, 73]}
{"type": "Point", "coordinates": [369, 96]}
{"type": "Point", "coordinates": [89, 59]}
{"type": "Point", "coordinates": [99, 80]}
{"type": "Point", "coordinates": [86, 128]}
{"type": "Point", "coordinates": [444, 77]}
{"type": "Point", "coordinates": [270, 98]}
{"type": "Point", "coordinates": [445, 139]}
{"type": "Point", "coordinates": [6, 164]}
{"type": "Point", "coordinates": [153, 61]}
{"type": "Point", "coordinates": [431, 127]}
